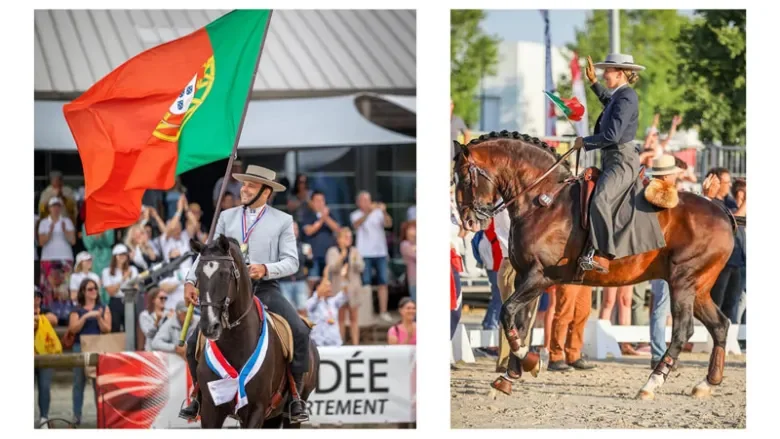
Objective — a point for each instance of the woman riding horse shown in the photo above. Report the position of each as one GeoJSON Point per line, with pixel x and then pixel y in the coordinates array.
{"type": "Point", "coordinates": [615, 130]}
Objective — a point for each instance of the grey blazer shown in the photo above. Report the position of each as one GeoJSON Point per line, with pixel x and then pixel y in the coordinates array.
{"type": "Point", "coordinates": [619, 121]}
{"type": "Point", "coordinates": [272, 242]}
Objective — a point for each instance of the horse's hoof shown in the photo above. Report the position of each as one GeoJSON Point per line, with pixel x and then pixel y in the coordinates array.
{"type": "Point", "coordinates": [532, 364]}
{"type": "Point", "coordinates": [701, 392]}
{"type": "Point", "coordinates": [503, 385]}
{"type": "Point", "coordinates": [645, 395]}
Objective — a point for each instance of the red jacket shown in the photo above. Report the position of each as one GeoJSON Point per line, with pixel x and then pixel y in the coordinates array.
{"type": "Point", "coordinates": [490, 234]}
{"type": "Point", "coordinates": [457, 264]}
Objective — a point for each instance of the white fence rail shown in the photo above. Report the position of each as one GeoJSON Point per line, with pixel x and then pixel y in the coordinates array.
{"type": "Point", "coordinates": [601, 339]}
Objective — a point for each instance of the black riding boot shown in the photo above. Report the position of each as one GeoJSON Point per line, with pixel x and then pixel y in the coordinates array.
{"type": "Point", "coordinates": [191, 411]}
{"type": "Point", "coordinates": [298, 412]}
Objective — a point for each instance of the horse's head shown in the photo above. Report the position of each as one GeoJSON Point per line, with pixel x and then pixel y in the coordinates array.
{"type": "Point", "coordinates": [220, 274]}
{"type": "Point", "coordinates": [475, 190]}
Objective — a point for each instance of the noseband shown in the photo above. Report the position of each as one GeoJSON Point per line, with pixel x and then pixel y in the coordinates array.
{"type": "Point", "coordinates": [223, 307]}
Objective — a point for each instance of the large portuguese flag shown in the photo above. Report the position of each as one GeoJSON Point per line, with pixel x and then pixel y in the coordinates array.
{"type": "Point", "coordinates": [169, 109]}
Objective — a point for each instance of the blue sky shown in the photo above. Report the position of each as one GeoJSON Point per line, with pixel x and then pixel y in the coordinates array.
{"type": "Point", "coordinates": [527, 25]}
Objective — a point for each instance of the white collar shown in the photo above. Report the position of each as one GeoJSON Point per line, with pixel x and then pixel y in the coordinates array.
{"type": "Point", "coordinates": [256, 211]}
{"type": "Point", "coordinates": [618, 88]}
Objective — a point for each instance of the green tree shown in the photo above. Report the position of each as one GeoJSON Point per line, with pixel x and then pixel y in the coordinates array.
{"type": "Point", "coordinates": [650, 36]}
{"type": "Point", "coordinates": [712, 53]}
{"type": "Point", "coordinates": [472, 55]}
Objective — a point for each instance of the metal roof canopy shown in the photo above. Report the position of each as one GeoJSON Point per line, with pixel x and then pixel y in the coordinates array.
{"type": "Point", "coordinates": [284, 124]}
{"type": "Point", "coordinates": [307, 52]}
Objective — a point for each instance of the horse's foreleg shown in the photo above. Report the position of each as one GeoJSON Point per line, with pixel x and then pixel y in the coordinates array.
{"type": "Point", "coordinates": [717, 325]}
{"type": "Point", "coordinates": [519, 311]}
{"type": "Point", "coordinates": [682, 330]}
{"type": "Point", "coordinates": [211, 416]}
{"type": "Point", "coordinates": [256, 418]}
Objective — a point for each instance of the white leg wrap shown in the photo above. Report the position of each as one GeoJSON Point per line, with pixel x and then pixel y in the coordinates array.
{"type": "Point", "coordinates": [521, 353]}
{"type": "Point", "coordinates": [655, 381]}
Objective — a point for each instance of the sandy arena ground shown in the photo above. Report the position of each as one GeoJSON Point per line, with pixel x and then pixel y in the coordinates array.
{"type": "Point", "coordinates": [600, 398]}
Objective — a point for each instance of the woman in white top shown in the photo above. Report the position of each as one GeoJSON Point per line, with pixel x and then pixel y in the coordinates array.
{"type": "Point", "coordinates": [118, 272]}
{"type": "Point", "coordinates": [81, 271]}
{"type": "Point", "coordinates": [56, 235]}
{"type": "Point", "coordinates": [173, 285]}
{"type": "Point", "coordinates": [142, 254]}
{"type": "Point", "coordinates": [154, 315]}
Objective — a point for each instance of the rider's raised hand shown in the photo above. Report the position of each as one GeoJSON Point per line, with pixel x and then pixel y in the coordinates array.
{"type": "Point", "coordinates": [590, 71]}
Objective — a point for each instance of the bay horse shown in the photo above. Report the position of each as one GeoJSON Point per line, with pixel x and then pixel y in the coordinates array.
{"type": "Point", "coordinates": [543, 200]}
{"type": "Point", "coordinates": [229, 318]}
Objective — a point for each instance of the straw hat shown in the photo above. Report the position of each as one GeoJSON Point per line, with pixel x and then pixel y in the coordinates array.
{"type": "Point", "coordinates": [260, 175]}
{"type": "Point", "coordinates": [619, 61]}
{"type": "Point", "coordinates": [664, 165]}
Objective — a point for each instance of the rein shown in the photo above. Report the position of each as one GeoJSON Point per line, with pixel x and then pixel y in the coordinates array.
{"type": "Point", "coordinates": [225, 318]}
{"type": "Point", "coordinates": [489, 212]}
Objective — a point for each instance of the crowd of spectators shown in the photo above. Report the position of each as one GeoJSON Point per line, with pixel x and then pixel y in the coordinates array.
{"type": "Point", "coordinates": [339, 264]}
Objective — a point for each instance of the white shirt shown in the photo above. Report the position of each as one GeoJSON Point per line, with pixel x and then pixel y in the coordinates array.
{"type": "Point", "coordinates": [57, 248]}
{"type": "Point", "coordinates": [77, 278]}
{"type": "Point", "coordinates": [324, 313]}
{"type": "Point", "coordinates": [168, 244]}
{"type": "Point", "coordinates": [35, 252]}
{"type": "Point", "coordinates": [111, 279]}
{"type": "Point", "coordinates": [371, 240]}
{"type": "Point", "coordinates": [502, 223]}
{"type": "Point", "coordinates": [177, 279]}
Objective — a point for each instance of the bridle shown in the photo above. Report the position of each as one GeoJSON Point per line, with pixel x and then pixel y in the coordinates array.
{"type": "Point", "coordinates": [486, 212]}
{"type": "Point", "coordinates": [224, 306]}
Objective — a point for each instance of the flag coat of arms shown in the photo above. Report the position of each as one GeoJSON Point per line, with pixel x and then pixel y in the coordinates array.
{"type": "Point", "coordinates": [167, 110]}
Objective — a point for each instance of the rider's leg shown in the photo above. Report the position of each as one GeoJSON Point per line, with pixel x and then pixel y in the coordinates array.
{"type": "Point", "coordinates": [191, 411]}
{"type": "Point", "coordinates": [268, 293]}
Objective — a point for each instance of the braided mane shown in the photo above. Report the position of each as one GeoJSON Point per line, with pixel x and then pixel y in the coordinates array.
{"type": "Point", "coordinates": [525, 138]}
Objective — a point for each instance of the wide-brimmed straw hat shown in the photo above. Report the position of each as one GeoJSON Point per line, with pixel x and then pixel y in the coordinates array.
{"type": "Point", "coordinates": [260, 175]}
{"type": "Point", "coordinates": [619, 61]}
{"type": "Point", "coordinates": [664, 165]}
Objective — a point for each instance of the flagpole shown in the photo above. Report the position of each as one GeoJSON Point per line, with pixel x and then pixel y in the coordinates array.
{"type": "Point", "coordinates": [226, 178]}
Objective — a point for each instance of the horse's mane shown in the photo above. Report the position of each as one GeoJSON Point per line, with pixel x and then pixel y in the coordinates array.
{"type": "Point", "coordinates": [516, 140]}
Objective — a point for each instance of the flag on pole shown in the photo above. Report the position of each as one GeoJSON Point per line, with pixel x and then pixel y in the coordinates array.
{"type": "Point", "coordinates": [578, 87]}
{"type": "Point", "coordinates": [571, 108]}
{"type": "Point", "coordinates": [167, 110]}
{"type": "Point", "coordinates": [549, 129]}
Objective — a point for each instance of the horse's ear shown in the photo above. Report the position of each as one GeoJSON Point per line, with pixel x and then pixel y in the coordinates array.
{"type": "Point", "coordinates": [463, 147]}
{"type": "Point", "coordinates": [224, 244]}
{"type": "Point", "coordinates": [196, 245]}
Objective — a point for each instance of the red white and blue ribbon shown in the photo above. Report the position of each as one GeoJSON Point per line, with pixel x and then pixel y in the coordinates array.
{"type": "Point", "coordinates": [246, 233]}
{"type": "Point", "coordinates": [232, 383]}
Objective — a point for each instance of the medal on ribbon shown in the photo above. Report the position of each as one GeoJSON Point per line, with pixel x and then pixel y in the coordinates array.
{"type": "Point", "coordinates": [247, 232]}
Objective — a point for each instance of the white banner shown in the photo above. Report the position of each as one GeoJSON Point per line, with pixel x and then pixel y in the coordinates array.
{"type": "Point", "coordinates": [365, 385]}
{"type": "Point", "coordinates": [357, 385]}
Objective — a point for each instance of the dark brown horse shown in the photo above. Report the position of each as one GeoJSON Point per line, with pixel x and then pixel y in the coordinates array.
{"type": "Point", "coordinates": [229, 316]}
{"type": "Point", "coordinates": [545, 243]}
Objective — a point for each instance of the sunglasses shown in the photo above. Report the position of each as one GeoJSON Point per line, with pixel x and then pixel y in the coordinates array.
{"type": "Point", "coordinates": [91, 289]}
{"type": "Point", "coordinates": [162, 298]}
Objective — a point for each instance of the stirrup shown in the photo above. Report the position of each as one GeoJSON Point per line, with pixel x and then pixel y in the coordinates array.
{"type": "Point", "coordinates": [586, 261]}
{"type": "Point", "coordinates": [195, 404]}
{"type": "Point", "coordinates": [303, 417]}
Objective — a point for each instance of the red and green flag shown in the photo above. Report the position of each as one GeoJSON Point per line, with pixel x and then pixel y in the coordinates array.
{"type": "Point", "coordinates": [571, 108]}
{"type": "Point", "coordinates": [168, 110]}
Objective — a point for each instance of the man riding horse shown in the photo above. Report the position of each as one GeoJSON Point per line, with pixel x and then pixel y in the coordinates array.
{"type": "Point", "coordinates": [268, 259]}
{"type": "Point", "coordinates": [615, 130]}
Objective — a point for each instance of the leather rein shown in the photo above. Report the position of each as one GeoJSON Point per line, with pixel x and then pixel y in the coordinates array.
{"type": "Point", "coordinates": [224, 305]}
{"type": "Point", "coordinates": [489, 212]}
